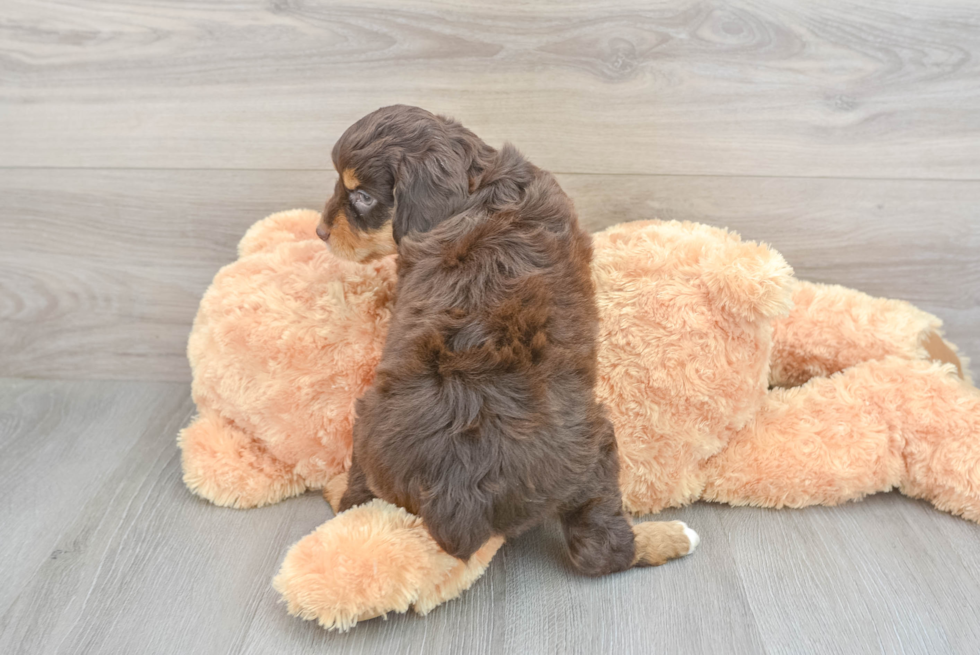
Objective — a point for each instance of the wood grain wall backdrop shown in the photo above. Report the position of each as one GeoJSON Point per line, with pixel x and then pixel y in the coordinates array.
{"type": "Point", "coordinates": [101, 270]}
{"type": "Point", "coordinates": [772, 87]}
{"type": "Point", "coordinates": [138, 139]}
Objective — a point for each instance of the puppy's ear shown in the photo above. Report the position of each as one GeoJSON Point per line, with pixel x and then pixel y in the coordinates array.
{"type": "Point", "coordinates": [459, 517]}
{"type": "Point", "coordinates": [429, 189]}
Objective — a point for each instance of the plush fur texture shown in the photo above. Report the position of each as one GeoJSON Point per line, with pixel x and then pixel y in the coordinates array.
{"type": "Point", "coordinates": [286, 340]}
{"type": "Point", "coordinates": [879, 425]}
{"type": "Point", "coordinates": [369, 562]}
{"type": "Point", "coordinates": [832, 328]}
{"type": "Point", "coordinates": [695, 325]}
{"type": "Point", "coordinates": [683, 349]}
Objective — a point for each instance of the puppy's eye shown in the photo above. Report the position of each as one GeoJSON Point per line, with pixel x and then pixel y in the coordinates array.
{"type": "Point", "coordinates": [362, 201]}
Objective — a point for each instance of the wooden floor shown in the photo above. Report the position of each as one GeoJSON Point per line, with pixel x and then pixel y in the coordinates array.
{"type": "Point", "coordinates": [105, 551]}
{"type": "Point", "coordinates": [139, 139]}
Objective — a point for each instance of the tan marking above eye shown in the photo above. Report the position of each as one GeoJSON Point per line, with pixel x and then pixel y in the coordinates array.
{"type": "Point", "coordinates": [350, 179]}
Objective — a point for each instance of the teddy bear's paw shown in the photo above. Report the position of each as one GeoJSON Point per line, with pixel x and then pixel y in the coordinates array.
{"type": "Point", "coordinates": [229, 468]}
{"type": "Point", "coordinates": [659, 542]}
{"type": "Point", "coordinates": [370, 560]}
{"type": "Point", "coordinates": [460, 578]}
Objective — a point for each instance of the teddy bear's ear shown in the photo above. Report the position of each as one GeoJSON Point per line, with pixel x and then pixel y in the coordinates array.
{"type": "Point", "coordinates": [750, 280]}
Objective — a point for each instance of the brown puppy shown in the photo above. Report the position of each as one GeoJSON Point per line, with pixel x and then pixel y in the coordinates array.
{"type": "Point", "coordinates": [482, 419]}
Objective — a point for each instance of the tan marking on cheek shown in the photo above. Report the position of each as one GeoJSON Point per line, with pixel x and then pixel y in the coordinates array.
{"type": "Point", "coordinates": [360, 246]}
{"type": "Point", "coordinates": [341, 238]}
{"type": "Point", "coordinates": [378, 243]}
{"type": "Point", "coordinates": [350, 179]}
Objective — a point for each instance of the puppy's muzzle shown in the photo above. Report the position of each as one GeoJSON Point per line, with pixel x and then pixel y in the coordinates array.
{"type": "Point", "coordinates": [323, 231]}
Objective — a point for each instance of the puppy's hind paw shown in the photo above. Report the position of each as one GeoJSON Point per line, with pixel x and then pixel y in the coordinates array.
{"type": "Point", "coordinates": [659, 542]}
{"type": "Point", "coordinates": [692, 536]}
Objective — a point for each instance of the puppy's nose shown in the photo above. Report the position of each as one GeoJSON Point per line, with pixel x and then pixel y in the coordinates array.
{"type": "Point", "coordinates": [323, 232]}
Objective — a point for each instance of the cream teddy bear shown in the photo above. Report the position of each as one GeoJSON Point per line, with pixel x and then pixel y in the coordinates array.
{"type": "Point", "coordinates": [726, 380]}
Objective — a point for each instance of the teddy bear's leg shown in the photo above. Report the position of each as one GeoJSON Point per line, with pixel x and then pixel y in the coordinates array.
{"type": "Point", "coordinates": [941, 416]}
{"type": "Point", "coordinates": [370, 560]}
{"type": "Point", "coordinates": [831, 328]}
{"type": "Point", "coordinates": [460, 578]}
{"type": "Point", "coordinates": [876, 426]}
{"type": "Point", "coordinates": [229, 468]}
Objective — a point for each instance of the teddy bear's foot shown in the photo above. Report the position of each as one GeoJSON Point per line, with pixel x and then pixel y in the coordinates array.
{"type": "Point", "coordinates": [370, 560]}
{"type": "Point", "coordinates": [227, 467]}
{"type": "Point", "coordinates": [460, 578]}
{"type": "Point", "coordinates": [939, 416]}
{"type": "Point", "coordinates": [657, 543]}
{"type": "Point", "coordinates": [914, 425]}
{"type": "Point", "coordinates": [832, 328]}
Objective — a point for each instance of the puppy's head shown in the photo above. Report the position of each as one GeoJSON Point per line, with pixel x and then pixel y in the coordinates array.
{"type": "Point", "coordinates": [401, 170]}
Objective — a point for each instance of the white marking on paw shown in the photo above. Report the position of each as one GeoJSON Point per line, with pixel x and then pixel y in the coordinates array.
{"type": "Point", "coordinates": [692, 536]}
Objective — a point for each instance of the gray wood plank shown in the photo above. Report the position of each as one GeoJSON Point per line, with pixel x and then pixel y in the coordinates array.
{"type": "Point", "coordinates": [139, 565]}
{"type": "Point", "coordinates": [769, 87]}
{"type": "Point", "coordinates": [888, 574]}
{"type": "Point", "coordinates": [132, 562]}
{"type": "Point", "coordinates": [692, 605]}
{"type": "Point", "coordinates": [123, 559]}
{"type": "Point", "coordinates": [59, 443]}
{"type": "Point", "coordinates": [101, 271]}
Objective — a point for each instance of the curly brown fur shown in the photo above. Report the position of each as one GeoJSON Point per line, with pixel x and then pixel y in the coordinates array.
{"type": "Point", "coordinates": [482, 418]}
